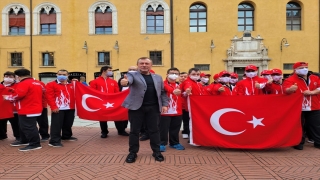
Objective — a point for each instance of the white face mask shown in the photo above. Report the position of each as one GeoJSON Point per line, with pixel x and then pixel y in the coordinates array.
{"type": "Point", "coordinates": [233, 80]}
{"type": "Point", "coordinates": [109, 73]}
{"type": "Point", "coordinates": [205, 80]}
{"type": "Point", "coordinates": [195, 78]}
{"type": "Point", "coordinates": [251, 74]}
{"type": "Point", "coordinates": [303, 71]}
{"type": "Point", "coordinates": [8, 80]}
{"type": "Point", "coordinates": [277, 78]}
{"type": "Point", "coordinates": [131, 71]}
{"type": "Point", "coordinates": [225, 79]}
{"type": "Point", "coordinates": [267, 77]}
{"type": "Point", "coordinates": [173, 76]}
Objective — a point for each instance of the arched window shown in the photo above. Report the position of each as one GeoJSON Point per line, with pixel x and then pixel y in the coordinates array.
{"type": "Point", "coordinates": [48, 22]}
{"type": "Point", "coordinates": [245, 17]}
{"type": "Point", "coordinates": [103, 18]}
{"type": "Point", "coordinates": [293, 16]}
{"type": "Point", "coordinates": [155, 22]}
{"type": "Point", "coordinates": [198, 18]}
{"type": "Point", "coordinates": [155, 17]}
{"type": "Point", "coordinates": [46, 19]}
{"type": "Point", "coordinates": [15, 20]}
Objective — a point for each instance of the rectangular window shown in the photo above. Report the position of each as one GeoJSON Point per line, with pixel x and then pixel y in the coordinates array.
{"type": "Point", "coordinates": [155, 24]}
{"type": "Point", "coordinates": [288, 66]}
{"type": "Point", "coordinates": [16, 59]}
{"type": "Point", "coordinates": [48, 59]}
{"type": "Point", "coordinates": [203, 67]}
{"type": "Point", "coordinates": [103, 58]}
{"type": "Point", "coordinates": [156, 57]}
{"type": "Point", "coordinates": [103, 30]}
{"type": "Point", "coordinates": [48, 29]}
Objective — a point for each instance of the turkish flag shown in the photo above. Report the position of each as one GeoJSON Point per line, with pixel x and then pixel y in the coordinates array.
{"type": "Point", "coordinates": [246, 122]}
{"type": "Point", "coordinates": [95, 105]}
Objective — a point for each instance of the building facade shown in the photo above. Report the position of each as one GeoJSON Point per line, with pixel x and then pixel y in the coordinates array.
{"type": "Point", "coordinates": [81, 36]}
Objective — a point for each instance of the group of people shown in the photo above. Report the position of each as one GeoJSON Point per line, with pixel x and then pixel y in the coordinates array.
{"type": "Point", "coordinates": [157, 107]}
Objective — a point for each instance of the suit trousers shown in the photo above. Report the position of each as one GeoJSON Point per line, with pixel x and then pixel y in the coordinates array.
{"type": "Point", "coordinates": [171, 125]}
{"type": "Point", "coordinates": [121, 125]}
{"type": "Point", "coordinates": [151, 115]}
{"type": "Point", "coordinates": [29, 131]}
{"type": "Point", "coordinates": [185, 119]}
{"type": "Point", "coordinates": [310, 121]}
{"type": "Point", "coordinates": [61, 121]}
{"type": "Point", "coordinates": [43, 123]}
{"type": "Point", "coordinates": [14, 125]}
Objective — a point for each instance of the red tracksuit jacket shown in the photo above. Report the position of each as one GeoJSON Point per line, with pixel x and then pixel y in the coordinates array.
{"type": "Point", "coordinates": [309, 102]}
{"type": "Point", "coordinates": [60, 96]}
{"type": "Point", "coordinates": [175, 101]}
{"type": "Point", "coordinates": [27, 95]}
{"type": "Point", "coordinates": [105, 85]}
{"type": "Point", "coordinates": [247, 86]}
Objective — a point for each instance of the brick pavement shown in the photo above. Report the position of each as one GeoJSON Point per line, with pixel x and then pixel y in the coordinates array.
{"type": "Point", "coordinates": [94, 158]}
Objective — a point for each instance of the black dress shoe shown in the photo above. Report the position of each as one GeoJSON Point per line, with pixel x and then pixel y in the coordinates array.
{"type": "Point", "coordinates": [144, 137]}
{"type": "Point", "coordinates": [317, 146]}
{"type": "Point", "coordinates": [131, 158]}
{"type": "Point", "coordinates": [298, 147]}
{"type": "Point", "coordinates": [104, 135]}
{"type": "Point", "coordinates": [123, 133]}
{"type": "Point", "coordinates": [158, 156]}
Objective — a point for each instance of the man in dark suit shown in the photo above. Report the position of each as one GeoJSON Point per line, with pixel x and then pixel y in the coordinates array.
{"type": "Point", "coordinates": [146, 100]}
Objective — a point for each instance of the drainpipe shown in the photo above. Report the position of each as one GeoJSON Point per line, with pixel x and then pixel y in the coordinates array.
{"type": "Point", "coordinates": [171, 34]}
{"type": "Point", "coordinates": [31, 50]}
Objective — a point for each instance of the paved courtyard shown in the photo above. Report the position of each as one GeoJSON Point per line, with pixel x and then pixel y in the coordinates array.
{"type": "Point", "coordinates": [94, 158]}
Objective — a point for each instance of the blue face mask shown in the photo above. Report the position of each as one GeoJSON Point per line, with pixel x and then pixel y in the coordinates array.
{"type": "Point", "coordinates": [109, 73]}
{"type": "Point", "coordinates": [62, 78]}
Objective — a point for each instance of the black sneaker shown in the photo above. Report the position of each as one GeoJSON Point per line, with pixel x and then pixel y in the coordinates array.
{"type": "Point", "coordinates": [131, 158]}
{"type": "Point", "coordinates": [123, 133]}
{"type": "Point", "coordinates": [104, 135]}
{"type": "Point", "coordinates": [70, 139]}
{"type": "Point", "coordinates": [30, 148]}
{"type": "Point", "coordinates": [18, 143]}
{"type": "Point", "coordinates": [44, 139]}
{"type": "Point", "coordinates": [55, 144]}
{"type": "Point", "coordinates": [298, 147]}
{"type": "Point", "coordinates": [158, 156]}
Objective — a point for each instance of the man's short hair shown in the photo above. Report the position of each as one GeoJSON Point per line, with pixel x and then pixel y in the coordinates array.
{"type": "Point", "coordinates": [104, 68]}
{"type": "Point", "coordinates": [193, 69]}
{"type": "Point", "coordinates": [144, 58]}
{"type": "Point", "coordinates": [173, 69]}
{"type": "Point", "coordinates": [63, 70]}
{"type": "Point", "coordinates": [183, 73]}
{"type": "Point", "coordinates": [8, 73]}
{"type": "Point", "coordinates": [22, 72]}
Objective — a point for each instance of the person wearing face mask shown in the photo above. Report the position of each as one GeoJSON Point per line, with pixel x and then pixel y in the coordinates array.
{"type": "Point", "coordinates": [8, 110]}
{"type": "Point", "coordinates": [308, 84]}
{"type": "Point", "coordinates": [185, 114]}
{"type": "Point", "coordinates": [108, 85]}
{"type": "Point", "coordinates": [170, 122]}
{"type": "Point", "coordinates": [233, 80]}
{"type": "Point", "coordinates": [191, 86]}
{"type": "Point", "coordinates": [204, 79]}
{"type": "Point", "coordinates": [223, 87]}
{"type": "Point", "coordinates": [60, 98]}
{"type": "Point", "coordinates": [266, 74]}
{"type": "Point", "coordinates": [252, 85]}
{"type": "Point", "coordinates": [28, 95]}
{"type": "Point", "coordinates": [275, 86]}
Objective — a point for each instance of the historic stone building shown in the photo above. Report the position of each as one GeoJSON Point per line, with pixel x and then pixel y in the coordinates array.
{"type": "Point", "coordinates": [83, 35]}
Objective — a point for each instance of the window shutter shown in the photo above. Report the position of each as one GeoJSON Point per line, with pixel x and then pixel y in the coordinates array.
{"type": "Point", "coordinates": [48, 19]}
{"type": "Point", "coordinates": [103, 19]}
{"type": "Point", "coordinates": [17, 20]}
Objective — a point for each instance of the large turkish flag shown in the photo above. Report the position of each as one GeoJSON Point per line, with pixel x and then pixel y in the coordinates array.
{"type": "Point", "coordinates": [95, 105]}
{"type": "Point", "coordinates": [250, 122]}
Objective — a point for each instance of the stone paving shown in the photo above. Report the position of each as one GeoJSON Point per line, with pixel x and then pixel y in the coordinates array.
{"type": "Point", "coordinates": [94, 158]}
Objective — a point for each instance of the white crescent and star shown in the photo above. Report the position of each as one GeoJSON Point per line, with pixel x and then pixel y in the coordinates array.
{"type": "Point", "coordinates": [215, 121]}
{"type": "Point", "coordinates": [85, 106]}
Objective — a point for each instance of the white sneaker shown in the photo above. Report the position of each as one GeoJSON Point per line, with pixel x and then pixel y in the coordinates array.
{"type": "Point", "coordinates": [185, 136]}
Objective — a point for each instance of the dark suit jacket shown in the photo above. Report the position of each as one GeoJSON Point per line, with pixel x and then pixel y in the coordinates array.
{"type": "Point", "coordinates": [138, 87]}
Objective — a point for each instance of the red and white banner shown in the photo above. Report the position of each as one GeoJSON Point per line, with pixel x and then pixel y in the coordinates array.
{"type": "Point", "coordinates": [95, 105]}
{"type": "Point", "coordinates": [250, 122]}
